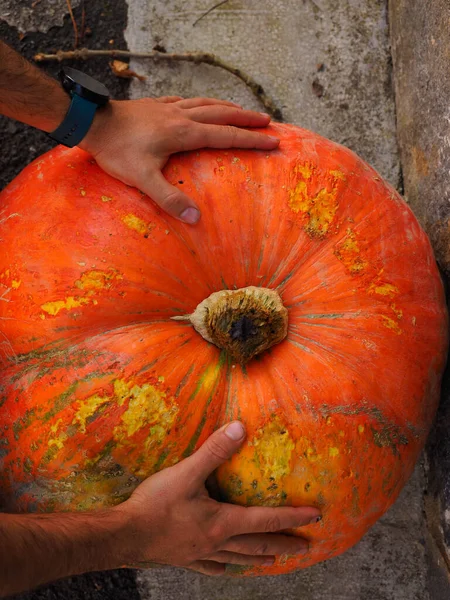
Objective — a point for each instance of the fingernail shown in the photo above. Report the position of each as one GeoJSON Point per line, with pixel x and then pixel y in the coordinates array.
{"type": "Point", "coordinates": [190, 215]}
{"type": "Point", "coordinates": [264, 114]}
{"type": "Point", "coordinates": [268, 563]}
{"type": "Point", "coordinates": [273, 138]}
{"type": "Point", "coordinates": [235, 431]}
{"type": "Point", "coordinates": [316, 519]}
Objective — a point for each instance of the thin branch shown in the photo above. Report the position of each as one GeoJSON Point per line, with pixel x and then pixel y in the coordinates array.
{"type": "Point", "coordinates": [83, 21]}
{"type": "Point", "coordinates": [209, 11]}
{"type": "Point", "coordinates": [194, 57]}
{"type": "Point", "coordinates": [74, 23]}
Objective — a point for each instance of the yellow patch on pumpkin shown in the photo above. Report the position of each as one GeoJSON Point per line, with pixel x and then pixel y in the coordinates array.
{"type": "Point", "coordinates": [319, 207]}
{"type": "Point", "coordinates": [397, 311]}
{"type": "Point", "coordinates": [87, 408]}
{"type": "Point", "coordinates": [146, 406]}
{"type": "Point", "coordinates": [96, 279]}
{"type": "Point", "coordinates": [305, 170]}
{"type": "Point", "coordinates": [338, 175]}
{"type": "Point", "coordinates": [121, 391]}
{"type": "Point", "coordinates": [273, 449]}
{"type": "Point", "coordinates": [383, 289]}
{"type": "Point", "coordinates": [311, 454]}
{"type": "Point", "coordinates": [54, 428]}
{"type": "Point", "coordinates": [53, 308]}
{"type": "Point", "coordinates": [137, 224]}
{"type": "Point", "coordinates": [58, 440]}
{"type": "Point", "coordinates": [349, 253]}
{"type": "Point", "coordinates": [391, 324]}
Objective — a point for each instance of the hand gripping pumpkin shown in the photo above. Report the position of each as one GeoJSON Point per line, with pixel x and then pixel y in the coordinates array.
{"type": "Point", "coordinates": [306, 303]}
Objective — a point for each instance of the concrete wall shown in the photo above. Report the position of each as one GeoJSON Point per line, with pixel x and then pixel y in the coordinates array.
{"type": "Point", "coordinates": [420, 34]}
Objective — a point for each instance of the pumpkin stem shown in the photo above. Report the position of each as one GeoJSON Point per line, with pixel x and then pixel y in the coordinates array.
{"type": "Point", "coordinates": [242, 322]}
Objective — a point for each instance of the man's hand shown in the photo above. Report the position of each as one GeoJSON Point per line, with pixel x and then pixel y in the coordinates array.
{"type": "Point", "coordinates": [169, 519]}
{"type": "Point", "coordinates": [172, 520]}
{"type": "Point", "coordinates": [133, 139]}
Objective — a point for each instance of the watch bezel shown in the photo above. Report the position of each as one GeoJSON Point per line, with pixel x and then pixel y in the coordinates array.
{"type": "Point", "coordinates": [83, 85]}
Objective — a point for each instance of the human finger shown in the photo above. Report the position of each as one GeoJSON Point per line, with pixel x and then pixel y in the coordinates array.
{"type": "Point", "coordinates": [208, 567]}
{"type": "Point", "coordinates": [265, 544]}
{"type": "Point", "coordinates": [194, 102]}
{"type": "Point", "coordinates": [170, 198]}
{"type": "Point", "coordinates": [227, 136]}
{"type": "Point", "coordinates": [228, 115]}
{"type": "Point", "coordinates": [234, 558]}
{"type": "Point", "coordinates": [255, 519]}
{"type": "Point", "coordinates": [169, 99]}
{"type": "Point", "coordinates": [219, 447]}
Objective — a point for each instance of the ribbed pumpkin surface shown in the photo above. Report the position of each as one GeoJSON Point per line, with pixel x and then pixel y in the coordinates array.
{"type": "Point", "coordinates": [100, 389]}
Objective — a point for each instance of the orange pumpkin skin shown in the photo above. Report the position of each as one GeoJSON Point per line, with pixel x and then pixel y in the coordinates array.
{"type": "Point", "coordinates": [100, 389]}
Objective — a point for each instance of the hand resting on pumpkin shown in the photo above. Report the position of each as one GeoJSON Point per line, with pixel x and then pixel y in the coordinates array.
{"type": "Point", "coordinates": [173, 520]}
{"type": "Point", "coordinates": [169, 519]}
{"type": "Point", "coordinates": [132, 141]}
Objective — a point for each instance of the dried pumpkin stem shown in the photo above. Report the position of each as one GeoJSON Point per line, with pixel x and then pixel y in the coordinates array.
{"type": "Point", "coordinates": [242, 322]}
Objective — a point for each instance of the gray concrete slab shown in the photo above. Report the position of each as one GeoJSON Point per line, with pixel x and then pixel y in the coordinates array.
{"type": "Point", "coordinates": [282, 44]}
{"type": "Point", "coordinates": [326, 63]}
{"type": "Point", "coordinates": [420, 35]}
{"type": "Point", "coordinates": [421, 53]}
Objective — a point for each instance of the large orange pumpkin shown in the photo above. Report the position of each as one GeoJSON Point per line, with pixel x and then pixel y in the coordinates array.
{"type": "Point", "coordinates": [101, 387]}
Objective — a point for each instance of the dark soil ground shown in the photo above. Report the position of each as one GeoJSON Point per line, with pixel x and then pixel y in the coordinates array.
{"type": "Point", "coordinates": [106, 20]}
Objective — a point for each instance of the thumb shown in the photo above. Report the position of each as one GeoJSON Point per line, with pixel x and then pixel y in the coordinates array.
{"type": "Point", "coordinates": [218, 448]}
{"type": "Point", "coordinates": [172, 200]}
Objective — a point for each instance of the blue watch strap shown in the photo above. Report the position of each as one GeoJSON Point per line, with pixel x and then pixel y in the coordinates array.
{"type": "Point", "coordinates": [76, 123]}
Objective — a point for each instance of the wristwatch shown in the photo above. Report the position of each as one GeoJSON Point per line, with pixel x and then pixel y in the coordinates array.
{"type": "Point", "coordinates": [87, 95]}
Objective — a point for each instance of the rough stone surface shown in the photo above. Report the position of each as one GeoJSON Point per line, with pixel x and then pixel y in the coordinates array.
{"type": "Point", "coordinates": [421, 54]}
{"type": "Point", "coordinates": [107, 585]}
{"type": "Point", "coordinates": [40, 15]}
{"type": "Point", "coordinates": [325, 63]}
{"type": "Point", "coordinates": [421, 57]}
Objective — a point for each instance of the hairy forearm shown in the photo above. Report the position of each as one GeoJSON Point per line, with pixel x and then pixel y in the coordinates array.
{"type": "Point", "coordinates": [29, 95]}
{"type": "Point", "coordinates": [36, 549]}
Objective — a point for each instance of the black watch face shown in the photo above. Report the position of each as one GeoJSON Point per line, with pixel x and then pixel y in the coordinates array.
{"type": "Point", "coordinates": [76, 82]}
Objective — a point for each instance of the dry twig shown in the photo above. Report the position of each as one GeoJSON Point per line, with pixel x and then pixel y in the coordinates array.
{"type": "Point", "coordinates": [209, 11]}
{"type": "Point", "coordinates": [74, 23]}
{"type": "Point", "coordinates": [83, 21]}
{"type": "Point", "coordinates": [194, 57]}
